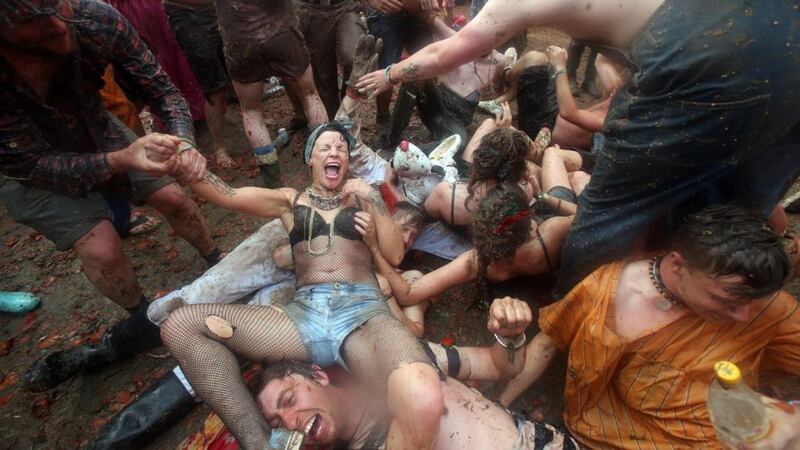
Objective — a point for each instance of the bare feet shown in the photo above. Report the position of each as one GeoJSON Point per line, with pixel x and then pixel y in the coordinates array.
{"type": "Point", "coordinates": [224, 160]}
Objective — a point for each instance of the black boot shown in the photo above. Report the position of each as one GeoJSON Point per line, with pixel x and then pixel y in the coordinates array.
{"type": "Point", "coordinates": [129, 337]}
{"type": "Point", "coordinates": [155, 410]}
{"type": "Point", "coordinates": [271, 175]}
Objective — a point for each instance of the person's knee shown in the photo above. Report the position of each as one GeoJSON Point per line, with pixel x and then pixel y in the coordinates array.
{"type": "Point", "coordinates": [170, 200]}
{"type": "Point", "coordinates": [101, 246]}
{"type": "Point", "coordinates": [418, 388]}
{"type": "Point", "coordinates": [304, 83]}
{"type": "Point", "coordinates": [175, 328]}
{"type": "Point", "coordinates": [215, 102]}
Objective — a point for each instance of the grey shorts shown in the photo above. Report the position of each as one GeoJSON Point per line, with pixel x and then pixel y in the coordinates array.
{"type": "Point", "coordinates": [64, 219]}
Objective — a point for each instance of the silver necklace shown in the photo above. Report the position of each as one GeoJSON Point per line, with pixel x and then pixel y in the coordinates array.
{"type": "Point", "coordinates": [666, 299]}
{"type": "Point", "coordinates": [309, 230]}
{"type": "Point", "coordinates": [324, 203]}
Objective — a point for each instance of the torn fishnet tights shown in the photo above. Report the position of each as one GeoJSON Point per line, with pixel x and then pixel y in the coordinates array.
{"type": "Point", "coordinates": [259, 333]}
{"type": "Point", "coordinates": [374, 350]}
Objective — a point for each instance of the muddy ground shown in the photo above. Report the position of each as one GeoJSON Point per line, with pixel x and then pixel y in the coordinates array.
{"type": "Point", "coordinates": [72, 312]}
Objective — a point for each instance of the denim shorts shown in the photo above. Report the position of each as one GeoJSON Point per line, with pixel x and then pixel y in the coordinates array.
{"type": "Point", "coordinates": [325, 314]}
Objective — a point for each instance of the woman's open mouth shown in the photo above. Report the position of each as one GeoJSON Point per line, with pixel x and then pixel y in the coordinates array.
{"type": "Point", "coordinates": [332, 170]}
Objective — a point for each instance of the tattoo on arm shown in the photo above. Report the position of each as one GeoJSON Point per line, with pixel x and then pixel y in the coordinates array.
{"type": "Point", "coordinates": [377, 202]}
{"type": "Point", "coordinates": [411, 72]}
{"type": "Point", "coordinates": [218, 185]}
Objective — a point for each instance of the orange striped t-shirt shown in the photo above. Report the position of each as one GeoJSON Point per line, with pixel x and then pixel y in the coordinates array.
{"type": "Point", "coordinates": [651, 393]}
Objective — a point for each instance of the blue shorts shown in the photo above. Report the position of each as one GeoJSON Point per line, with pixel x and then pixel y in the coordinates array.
{"type": "Point", "coordinates": [325, 314]}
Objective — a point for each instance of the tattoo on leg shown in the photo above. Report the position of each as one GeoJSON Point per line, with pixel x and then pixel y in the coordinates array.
{"type": "Point", "coordinates": [377, 203]}
{"type": "Point", "coordinates": [411, 72]}
{"type": "Point", "coordinates": [219, 185]}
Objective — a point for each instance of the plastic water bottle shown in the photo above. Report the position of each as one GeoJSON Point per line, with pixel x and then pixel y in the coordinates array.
{"type": "Point", "coordinates": [737, 413]}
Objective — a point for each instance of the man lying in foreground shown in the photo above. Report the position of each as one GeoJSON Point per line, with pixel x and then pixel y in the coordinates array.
{"type": "Point", "coordinates": [329, 410]}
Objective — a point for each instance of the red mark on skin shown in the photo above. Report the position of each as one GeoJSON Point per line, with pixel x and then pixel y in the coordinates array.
{"type": "Point", "coordinates": [388, 197]}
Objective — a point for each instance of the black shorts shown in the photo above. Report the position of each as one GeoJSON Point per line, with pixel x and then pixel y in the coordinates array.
{"type": "Point", "coordinates": [536, 100]}
{"type": "Point", "coordinates": [198, 35]}
{"type": "Point", "coordinates": [283, 54]}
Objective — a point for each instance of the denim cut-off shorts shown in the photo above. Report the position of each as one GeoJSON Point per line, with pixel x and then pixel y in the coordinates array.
{"type": "Point", "coordinates": [325, 314]}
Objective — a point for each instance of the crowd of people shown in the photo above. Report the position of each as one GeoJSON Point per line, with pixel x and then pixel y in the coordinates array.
{"type": "Point", "coordinates": [657, 209]}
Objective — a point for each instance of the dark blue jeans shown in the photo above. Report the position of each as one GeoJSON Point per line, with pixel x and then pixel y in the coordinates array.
{"type": "Point", "coordinates": [711, 115]}
{"type": "Point", "coordinates": [398, 31]}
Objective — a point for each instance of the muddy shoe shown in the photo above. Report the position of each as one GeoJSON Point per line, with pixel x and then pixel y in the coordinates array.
{"type": "Point", "coordinates": [271, 175]}
{"type": "Point", "coordinates": [18, 302]}
{"type": "Point", "coordinates": [133, 335]}
{"type": "Point", "coordinates": [283, 139]}
{"type": "Point", "coordinates": [56, 368]}
{"type": "Point", "coordinates": [155, 410]}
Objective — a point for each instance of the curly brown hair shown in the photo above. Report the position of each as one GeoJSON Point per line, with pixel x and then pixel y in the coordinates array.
{"type": "Point", "coordinates": [500, 156]}
{"type": "Point", "coordinates": [500, 226]}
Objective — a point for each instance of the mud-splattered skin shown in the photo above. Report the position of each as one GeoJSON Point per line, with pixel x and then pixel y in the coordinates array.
{"type": "Point", "coordinates": [613, 22]}
{"type": "Point", "coordinates": [469, 421]}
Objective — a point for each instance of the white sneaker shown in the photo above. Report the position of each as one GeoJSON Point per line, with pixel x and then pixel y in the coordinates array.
{"type": "Point", "coordinates": [490, 107]}
{"type": "Point", "coordinates": [511, 54]}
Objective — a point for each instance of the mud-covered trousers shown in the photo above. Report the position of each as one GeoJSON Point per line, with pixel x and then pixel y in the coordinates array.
{"type": "Point", "coordinates": [331, 29]}
{"type": "Point", "coordinates": [711, 115]}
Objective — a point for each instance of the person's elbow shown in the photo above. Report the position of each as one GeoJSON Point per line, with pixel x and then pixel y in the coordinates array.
{"type": "Point", "coordinates": [395, 255]}
{"type": "Point", "coordinates": [570, 113]}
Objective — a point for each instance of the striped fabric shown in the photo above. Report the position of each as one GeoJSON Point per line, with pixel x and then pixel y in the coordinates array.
{"type": "Point", "coordinates": [651, 393]}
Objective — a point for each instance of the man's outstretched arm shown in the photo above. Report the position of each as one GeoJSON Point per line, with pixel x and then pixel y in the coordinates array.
{"type": "Point", "coordinates": [497, 22]}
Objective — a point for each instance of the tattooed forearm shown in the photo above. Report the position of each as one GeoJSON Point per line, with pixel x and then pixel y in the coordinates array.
{"type": "Point", "coordinates": [411, 72]}
{"type": "Point", "coordinates": [377, 202]}
{"type": "Point", "coordinates": [218, 185]}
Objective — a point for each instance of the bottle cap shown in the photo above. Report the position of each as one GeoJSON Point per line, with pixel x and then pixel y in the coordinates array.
{"type": "Point", "coordinates": [727, 373]}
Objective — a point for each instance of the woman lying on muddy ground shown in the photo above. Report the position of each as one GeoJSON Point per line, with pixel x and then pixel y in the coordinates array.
{"type": "Point", "coordinates": [509, 240]}
{"type": "Point", "coordinates": [496, 154]}
{"type": "Point", "coordinates": [338, 315]}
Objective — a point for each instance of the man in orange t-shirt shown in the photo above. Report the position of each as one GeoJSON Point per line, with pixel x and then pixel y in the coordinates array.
{"type": "Point", "coordinates": [643, 336]}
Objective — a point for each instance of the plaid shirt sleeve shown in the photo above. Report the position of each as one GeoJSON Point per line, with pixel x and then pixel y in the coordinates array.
{"type": "Point", "coordinates": [142, 74]}
{"type": "Point", "coordinates": [26, 156]}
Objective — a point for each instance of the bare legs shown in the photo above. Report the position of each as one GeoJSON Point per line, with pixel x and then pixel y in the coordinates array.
{"type": "Point", "coordinates": [215, 107]}
{"type": "Point", "coordinates": [184, 216]}
{"type": "Point", "coordinates": [106, 265]}
{"type": "Point", "coordinates": [252, 115]}
{"type": "Point", "coordinates": [305, 89]}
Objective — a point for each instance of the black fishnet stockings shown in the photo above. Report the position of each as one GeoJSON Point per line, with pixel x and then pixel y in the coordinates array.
{"type": "Point", "coordinates": [374, 350]}
{"type": "Point", "coordinates": [259, 333]}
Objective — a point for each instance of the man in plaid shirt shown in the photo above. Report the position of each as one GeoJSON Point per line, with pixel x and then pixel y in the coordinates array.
{"type": "Point", "coordinates": [62, 155]}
